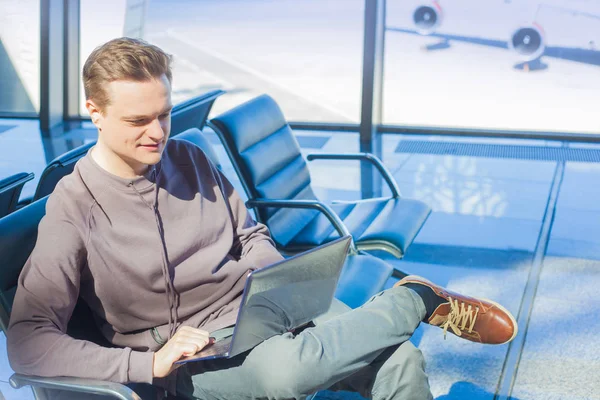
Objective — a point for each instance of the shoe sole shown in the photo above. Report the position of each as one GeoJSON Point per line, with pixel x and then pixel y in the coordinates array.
{"type": "Point", "coordinates": [509, 315]}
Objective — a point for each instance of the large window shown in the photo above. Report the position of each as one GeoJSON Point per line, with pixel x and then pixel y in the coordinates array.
{"type": "Point", "coordinates": [306, 54]}
{"type": "Point", "coordinates": [501, 64]}
{"type": "Point", "coordinates": [19, 57]}
{"type": "Point", "coordinates": [99, 24]}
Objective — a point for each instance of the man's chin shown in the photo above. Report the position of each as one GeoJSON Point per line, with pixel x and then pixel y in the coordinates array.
{"type": "Point", "coordinates": [154, 160]}
{"type": "Point", "coordinates": [150, 159]}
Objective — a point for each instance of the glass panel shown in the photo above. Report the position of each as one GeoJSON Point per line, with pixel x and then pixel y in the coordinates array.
{"type": "Point", "coordinates": [19, 56]}
{"type": "Point", "coordinates": [306, 54]}
{"type": "Point", "coordinates": [501, 64]}
{"type": "Point", "coordinates": [98, 25]}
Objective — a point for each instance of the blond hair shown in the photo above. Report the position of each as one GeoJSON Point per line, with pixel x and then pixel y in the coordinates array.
{"type": "Point", "coordinates": [122, 59]}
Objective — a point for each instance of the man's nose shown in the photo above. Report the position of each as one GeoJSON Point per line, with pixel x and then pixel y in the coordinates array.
{"type": "Point", "coordinates": [155, 130]}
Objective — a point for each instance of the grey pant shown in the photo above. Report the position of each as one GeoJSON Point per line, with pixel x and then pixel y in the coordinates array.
{"type": "Point", "coordinates": [365, 350]}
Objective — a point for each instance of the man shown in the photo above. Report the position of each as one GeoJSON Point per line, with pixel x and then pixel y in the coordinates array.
{"type": "Point", "coordinates": [158, 244]}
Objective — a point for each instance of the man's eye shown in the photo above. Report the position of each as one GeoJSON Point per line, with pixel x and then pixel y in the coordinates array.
{"type": "Point", "coordinates": [138, 122]}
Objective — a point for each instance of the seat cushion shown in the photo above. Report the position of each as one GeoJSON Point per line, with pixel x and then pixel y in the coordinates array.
{"type": "Point", "coordinates": [373, 222]}
{"type": "Point", "coordinates": [398, 223]}
{"type": "Point", "coordinates": [362, 277]}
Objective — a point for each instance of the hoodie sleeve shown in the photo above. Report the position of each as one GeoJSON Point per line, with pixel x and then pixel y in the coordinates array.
{"type": "Point", "coordinates": [48, 289]}
{"type": "Point", "coordinates": [252, 240]}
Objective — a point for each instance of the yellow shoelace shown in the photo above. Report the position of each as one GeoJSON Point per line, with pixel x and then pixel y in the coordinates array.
{"type": "Point", "coordinates": [459, 317]}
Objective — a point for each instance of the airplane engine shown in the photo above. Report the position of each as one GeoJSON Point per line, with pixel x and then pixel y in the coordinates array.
{"type": "Point", "coordinates": [528, 42]}
{"type": "Point", "coordinates": [428, 17]}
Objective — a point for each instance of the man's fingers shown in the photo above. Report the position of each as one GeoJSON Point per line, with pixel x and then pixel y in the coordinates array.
{"type": "Point", "coordinates": [186, 349]}
{"type": "Point", "coordinates": [186, 342]}
{"type": "Point", "coordinates": [191, 346]}
{"type": "Point", "coordinates": [191, 338]}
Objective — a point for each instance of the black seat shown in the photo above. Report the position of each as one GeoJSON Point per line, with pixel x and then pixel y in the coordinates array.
{"type": "Point", "coordinates": [193, 113]}
{"type": "Point", "coordinates": [58, 168]}
{"type": "Point", "coordinates": [266, 154]}
{"type": "Point", "coordinates": [10, 190]}
{"type": "Point", "coordinates": [195, 136]}
{"type": "Point", "coordinates": [362, 276]}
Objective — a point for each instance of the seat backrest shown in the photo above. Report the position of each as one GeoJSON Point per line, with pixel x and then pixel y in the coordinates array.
{"type": "Point", "coordinates": [58, 168]}
{"type": "Point", "coordinates": [193, 113]}
{"type": "Point", "coordinates": [195, 136]}
{"type": "Point", "coordinates": [18, 233]}
{"type": "Point", "coordinates": [267, 157]}
{"type": "Point", "coordinates": [10, 190]}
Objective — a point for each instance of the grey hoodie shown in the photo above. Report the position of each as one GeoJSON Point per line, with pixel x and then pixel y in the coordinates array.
{"type": "Point", "coordinates": [160, 251]}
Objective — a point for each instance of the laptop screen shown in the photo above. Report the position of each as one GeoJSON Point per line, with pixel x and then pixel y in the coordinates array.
{"type": "Point", "coordinates": [289, 294]}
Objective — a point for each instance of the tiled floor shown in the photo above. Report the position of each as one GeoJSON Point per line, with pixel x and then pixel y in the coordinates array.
{"type": "Point", "coordinates": [481, 238]}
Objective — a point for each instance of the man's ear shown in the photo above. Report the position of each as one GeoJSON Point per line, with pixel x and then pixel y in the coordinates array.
{"type": "Point", "coordinates": [95, 113]}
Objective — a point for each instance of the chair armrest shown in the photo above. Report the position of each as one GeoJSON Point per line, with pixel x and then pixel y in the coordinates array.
{"type": "Point", "coordinates": [385, 173]}
{"type": "Point", "coordinates": [113, 389]}
{"type": "Point", "coordinates": [335, 220]}
{"type": "Point", "coordinates": [21, 181]}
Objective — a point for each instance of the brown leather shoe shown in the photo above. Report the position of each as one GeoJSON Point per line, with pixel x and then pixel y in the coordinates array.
{"type": "Point", "coordinates": [477, 320]}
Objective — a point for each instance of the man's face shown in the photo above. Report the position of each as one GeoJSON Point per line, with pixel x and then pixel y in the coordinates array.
{"type": "Point", "coordinates": [136, 124]}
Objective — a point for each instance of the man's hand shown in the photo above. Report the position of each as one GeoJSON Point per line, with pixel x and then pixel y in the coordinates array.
{"type": "Point", "coordinates": [187, 341]}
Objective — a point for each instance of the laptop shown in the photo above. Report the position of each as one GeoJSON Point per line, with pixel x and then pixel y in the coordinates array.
{"type": "Point", "coordinates": [280, 298]}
